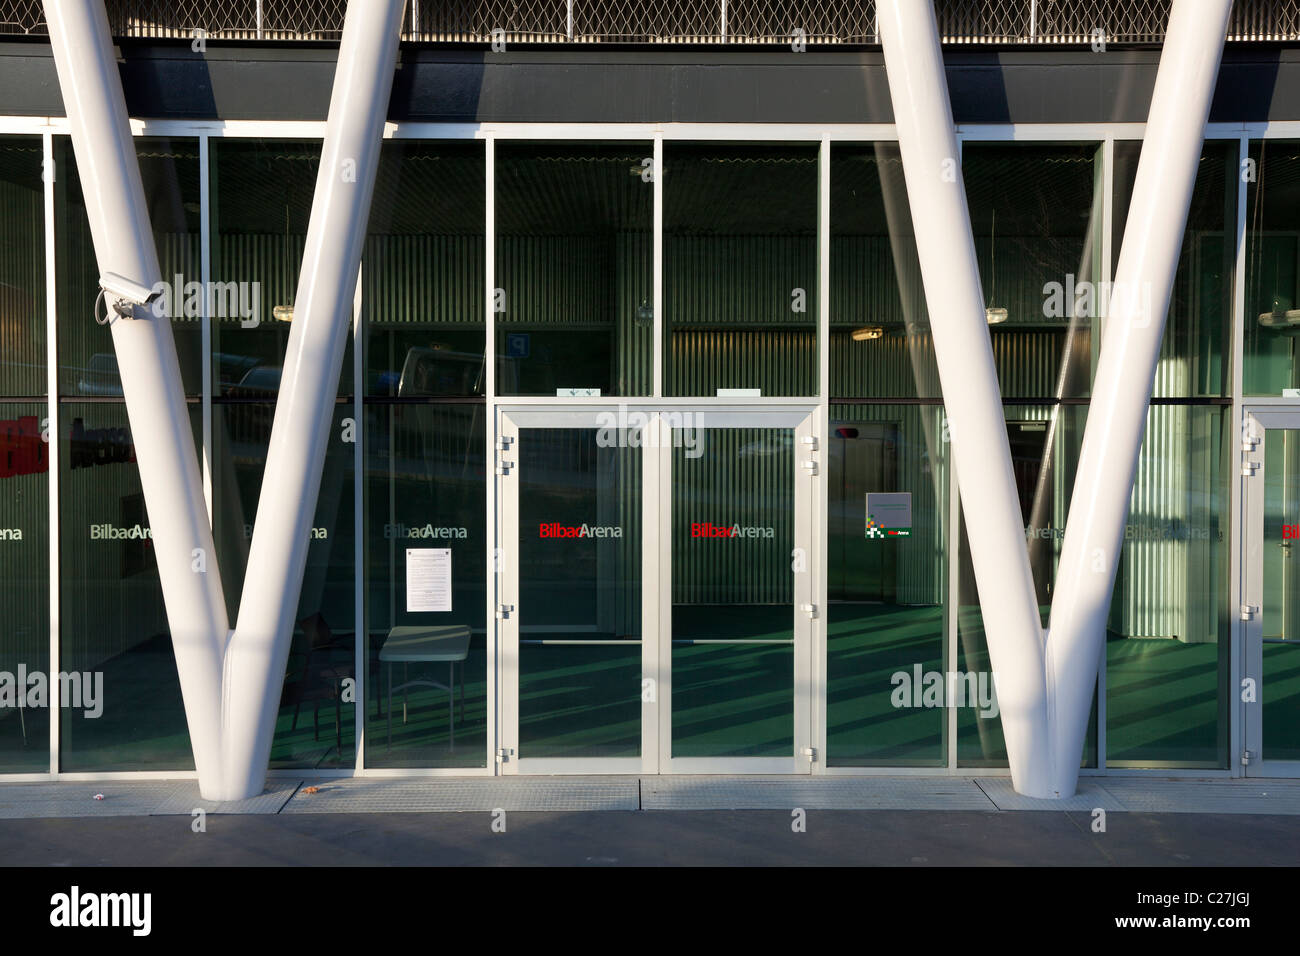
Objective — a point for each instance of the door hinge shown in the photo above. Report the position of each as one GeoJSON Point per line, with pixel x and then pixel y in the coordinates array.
{"type": "Point", "coordinates": [1248, 468]}
{"type": "Point", "coordinates": [504, 442]}
{"type": "Point", "coordinates": [504, 611]}
{"type": "Point", "coordinates": [1248, 611]}
{"type": "Point", "coordinates": [504, 466]}
{"type": "Point", "coordinates": [811, 465]}
{"type": "Point", "coordinates": [810, 753]}
{"type": "Point", "coordinates": [810, 441]}
{"type": "Point", "coordinates": [809, 609]}
{"type": "Point", "coordinates": [1246, 758]}
{"type": "Point", "coordinates": [503, 754]}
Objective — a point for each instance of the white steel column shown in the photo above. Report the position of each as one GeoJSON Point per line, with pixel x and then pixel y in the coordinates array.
{"type": "Point", "coordinates": [231, 682]}
{"type": "Point", "coordinates": [146, 356]}
{"type": "Point", "coordinates": [1162, 192]}
{"type": "Point", "coordinates": [964, 354]}
{"type": "Point", "coordinates": [259, 648]}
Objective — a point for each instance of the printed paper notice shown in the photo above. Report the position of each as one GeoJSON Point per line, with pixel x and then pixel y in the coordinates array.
{"type": "Point", "coordinates": [428, 579]}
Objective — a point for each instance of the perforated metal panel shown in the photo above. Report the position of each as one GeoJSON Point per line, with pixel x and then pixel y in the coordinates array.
{"type": "Point", "coordinates": [685, 22]}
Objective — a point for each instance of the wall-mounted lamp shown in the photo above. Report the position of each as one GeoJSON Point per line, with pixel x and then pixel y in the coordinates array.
{"type": "Point", "coordinates": [867, 334]}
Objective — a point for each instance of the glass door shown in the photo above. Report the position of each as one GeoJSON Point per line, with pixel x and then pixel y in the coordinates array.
{"type": "Point", "coordinates": [736, 598]}
{"type": "Point", "coordinates": [571, 590]}
{"type": "Point", "coordinates": [1271, 590]}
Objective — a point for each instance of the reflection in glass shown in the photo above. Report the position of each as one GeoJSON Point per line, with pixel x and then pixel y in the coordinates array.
{"type": "Point", "coordinates": [1194, 354]}
{"type": "Point", "coordinates": [1272, 319]}
{"type": "Point", "coordinates": [579, 594]}
{"type": "Point", "coordinates": [422, 271]}
{"type": "Point", "coordinates": [1044, 441]}
{"type": "Point", "coordinates": [315, 726]}
{"type": "Point", "coordinates": [113, 623]}
{"type": "Point", "coordinates": [262, 193]}
{"type": "Point", "coordinates": [169, 169]}
{"type": "Point", "coordinates": [732, 592]}
{"type": "Point", "coordinates": [1167, 641]}
{"type": "Point", "coordinates": [22, 267]}
{"type": "Point", "coordinates": [574, 267]}
{"type": "Point", "coordinates": [885, 621]}
{"type": "Point", "coordinates": [1280, 608]}
{"type": "Point", "coordinates": [425, 487]}
{"type": "Point", "coordinates": [1036, 214]}
{"type": "Point", "coordinates": [740, 268]}
{"type": "Point", "coordinates": [880, 329]}
{"type": "Point", "coordinates": [24, 584]}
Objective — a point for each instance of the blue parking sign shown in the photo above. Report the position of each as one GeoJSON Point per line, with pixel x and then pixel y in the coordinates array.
{"type": "Point", "coordinates": [517, 344]}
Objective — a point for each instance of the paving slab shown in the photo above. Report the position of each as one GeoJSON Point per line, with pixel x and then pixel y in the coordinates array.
{"type": "Point", "coordinates": [1091, 795]}
{"type": "Point", "coordinates": [1273, 797]}
{"type": "Point", "coordinates": [821, 793]}
{"type": "Point", "coordinates": [466, 794]}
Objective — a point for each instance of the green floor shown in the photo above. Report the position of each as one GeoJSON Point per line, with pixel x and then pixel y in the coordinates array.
{"type": "Point", "coordinates": [1164, 701]}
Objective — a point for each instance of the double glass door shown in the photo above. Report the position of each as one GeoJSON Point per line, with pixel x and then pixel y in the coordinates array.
{"type": "Point", "coordinates": [1270, 569]}
{"type": "Point", "coordinates": [655, 583]}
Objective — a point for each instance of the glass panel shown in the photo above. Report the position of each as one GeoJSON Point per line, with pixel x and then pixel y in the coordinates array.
{"type": "Point", "coordinates": [262, 193]}
{"type": "Point", "coordinates": [113, 624]}
{"type": "Point", "coordinates": [1044, 442]}
{"type": "Point", "coordinates": [579, 594]}
{"type": "Point", "coordinates": [732, 592]}
{"type": "Point", "coordinates": [574, 268]}
{"type": "Point", "coordinates": [169, 169]}
{"type": "Point", "coordinates": [885, 621]}
{"type": "Point", "coordinates": [315, 727]}
{"type": "Point", "coordinates": [1280, 608]}
{"type": "Point", "coordinates": [1167, 641]}
{"type": "Point", "coordinates": [1036, 214]}
{"type": "Point", "coordinates": [740, 268]}
{"type": "Point", "coordinates": [24, 589]}
{"type": "Point", "coordinates": [22, 267]}
{"type": "Point", "coordinates": [1272, 319]}
{"type": "Point", "coordinates": [422, 271]}
{"type": "Point", "coordinates": [1194, 355]}
{"type": "Point", "coordinates": [880, 329]}
{"type": "Point", "coordinates": [425, 488]}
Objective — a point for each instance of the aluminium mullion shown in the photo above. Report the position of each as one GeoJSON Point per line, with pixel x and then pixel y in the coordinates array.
{"type": "Point", "coordinates": [493, 550]}
{"type": "Point", "coordinates": [52, 451]}
{"type": "Point", "coordinates": [1107, 251]}
{"type": "Point", "coordinates": [657, 282]}
{"type": "Point", "coordinates": [953, 539]}
{"type": "Point", "coordinates": [820, 556]}
{"type": "Point", "coordinates": [361, 634]}
{"type": "Point", "coordinates": [1237, 729]}
{"type": "Point", "coordinates": [205, 319]}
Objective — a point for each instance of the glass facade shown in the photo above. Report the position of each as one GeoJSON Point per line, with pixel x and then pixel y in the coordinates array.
{"type": "Point", "coordinates": [521, 274]}
{"type": "Point", "coordinates": [1271, 323]}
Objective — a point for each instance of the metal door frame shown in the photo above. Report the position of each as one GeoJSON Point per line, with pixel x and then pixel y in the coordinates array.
{"type": "Point", "coordinates": [1257, 420]}
{"type": "Point", "coordinates": [656, 600]}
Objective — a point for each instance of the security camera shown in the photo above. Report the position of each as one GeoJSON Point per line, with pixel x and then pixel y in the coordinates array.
{"type": "Point", "coordinates": [127, 293]}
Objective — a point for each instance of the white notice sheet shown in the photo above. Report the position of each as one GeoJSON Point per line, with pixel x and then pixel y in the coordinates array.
{"type": "Point", "coordinates": [428, 579]}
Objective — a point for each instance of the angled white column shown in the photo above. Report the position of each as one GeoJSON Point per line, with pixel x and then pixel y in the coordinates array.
{"type": "Point", "coordinates": [259, 649]}
{"type": "Point", "coordinates": [146, 356]}
{"type": "Point", "coordinates": [964, 354]}
{"type": "Point", "coordinates": [231, 682]}
{"type": "Point", "coordinates": [1162, 192]}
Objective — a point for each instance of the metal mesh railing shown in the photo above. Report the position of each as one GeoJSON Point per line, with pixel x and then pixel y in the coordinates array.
{"type": "Point", "coordinates": [667, 21]}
